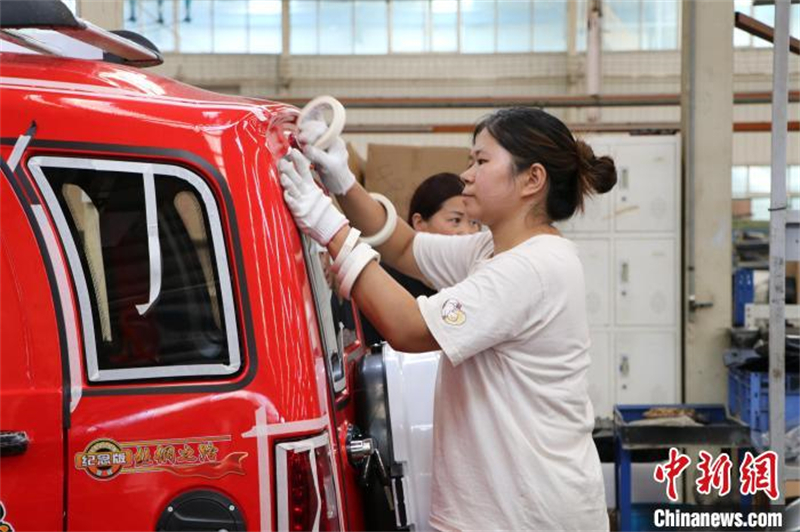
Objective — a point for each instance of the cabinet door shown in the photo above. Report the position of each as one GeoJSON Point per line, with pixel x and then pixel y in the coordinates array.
{"type": "Point", "coordinates": [595, 218]}
{"type": "Point", "coordinates": [645, 195]}
{"type": "Point", "coordinates": [646, 367]}
{"type": "Point", "coordinates": [646, 281]}
{"type": "Point", "coordinates": [600, 374]}
{"type": "Point", "coordinates": [596, 260]}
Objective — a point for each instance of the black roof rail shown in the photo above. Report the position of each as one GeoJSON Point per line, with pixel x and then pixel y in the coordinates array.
{"type": "Point", "coordinates": [123, 46]}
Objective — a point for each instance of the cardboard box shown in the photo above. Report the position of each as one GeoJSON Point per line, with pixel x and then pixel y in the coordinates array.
{"type": "Point", "coordinates": [396, 171]}
{"type": "Point", "coordinates": [356, 163]}
{"type": "Point", "coordinates": [741, 209]}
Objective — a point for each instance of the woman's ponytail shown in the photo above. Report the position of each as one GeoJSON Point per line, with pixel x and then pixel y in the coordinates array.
{"type": "Point", "coordinates": [597, 175]}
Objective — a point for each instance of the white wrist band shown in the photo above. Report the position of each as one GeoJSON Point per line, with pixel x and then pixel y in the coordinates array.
{"type": "Point", "coordinates": [347, 247]}
{"type": "Point", "coordinates": [388, 228]}
{"type": "Point", "coordinates": [358, 260]}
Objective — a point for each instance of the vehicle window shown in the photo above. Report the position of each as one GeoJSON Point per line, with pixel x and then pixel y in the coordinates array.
{"type": "Point", "coordinates": [159, 300]}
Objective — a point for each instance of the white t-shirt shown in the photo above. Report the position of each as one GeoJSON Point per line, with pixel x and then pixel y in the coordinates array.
{"type": "Point", "coordinates": [512, 440]}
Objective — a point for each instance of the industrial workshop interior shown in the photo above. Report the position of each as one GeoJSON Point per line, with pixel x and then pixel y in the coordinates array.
{"type": "Point", "coordinates": [400, 265]}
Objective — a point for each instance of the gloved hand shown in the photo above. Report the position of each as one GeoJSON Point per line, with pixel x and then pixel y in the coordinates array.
{"type": "Point", "coordinates": [331, 164]}
{"type": "Point", "coordinates": [312, 209]}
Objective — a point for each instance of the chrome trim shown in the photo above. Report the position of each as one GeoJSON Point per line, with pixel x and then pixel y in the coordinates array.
{"type": "Point", "coordinates": [95, 374]}
{"type": "Point", "coordinates": [113, 43]}
{"type": "Point", "coordinates": [19, 38]}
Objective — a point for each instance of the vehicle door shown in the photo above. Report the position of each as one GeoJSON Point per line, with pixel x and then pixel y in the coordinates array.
{"type": "Point", "coordinates": [158, 439]}
{"type": "Point", "coordinates": [34, 410]}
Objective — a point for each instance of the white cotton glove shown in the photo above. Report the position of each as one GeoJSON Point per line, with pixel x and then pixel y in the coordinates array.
{"type": "Point", "coordinates": [312, 209]}
{"type": "Point", "coordinates": [331, 164]}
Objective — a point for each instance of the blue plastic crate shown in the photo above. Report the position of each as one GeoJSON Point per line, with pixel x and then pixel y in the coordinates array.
{"type": "Point", "coordinates": [743, 293]}
{"type": "Point", "coordinates": [748, 398]}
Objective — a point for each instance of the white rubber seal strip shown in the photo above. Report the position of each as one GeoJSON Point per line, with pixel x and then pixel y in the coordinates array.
{"type": "Point", "coordinates": [388, 228]}
{"type": "Point", "coordinates": [358, 260]}
{"type": "Point", "coordinates": [349, 243]}
{"type": "Point", "coordinates": [153, 243]}
{"type": "Point", "coordinates": [337, 122]}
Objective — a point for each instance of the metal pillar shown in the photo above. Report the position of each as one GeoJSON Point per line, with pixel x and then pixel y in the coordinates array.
{"type": "Point", "coordinates": [777, 243]}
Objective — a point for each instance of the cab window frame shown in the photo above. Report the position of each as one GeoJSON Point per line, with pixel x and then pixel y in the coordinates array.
{"type": "Point", "coordinates": [37, 167]}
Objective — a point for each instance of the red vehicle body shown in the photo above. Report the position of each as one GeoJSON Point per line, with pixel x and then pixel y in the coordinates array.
{"type": "Point", "coordinates": [119, 435]}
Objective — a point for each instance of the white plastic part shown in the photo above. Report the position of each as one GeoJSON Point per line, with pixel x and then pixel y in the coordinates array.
{"type": "Point", "coordinates": [153, 243]}
{"type": "Point", "coordinates": [337, 121]}
{"type": "Point", "coordinates": [410, 384]}
{"type": "Point", "coordinates": [388, 228]}
{"type": "Point", "coordinates": [349, 243]}
{"type": "Point", "coordinates": [353, 265]}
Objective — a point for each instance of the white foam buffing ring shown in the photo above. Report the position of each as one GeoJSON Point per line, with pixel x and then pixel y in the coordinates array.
{"type": "Point", "coordinates": [388, 228]}
{"type": "Point", "coordinates": [337, 122]}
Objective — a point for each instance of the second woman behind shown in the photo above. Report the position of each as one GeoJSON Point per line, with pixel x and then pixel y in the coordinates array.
{"type": "Point", "coordinates": [436, 206]}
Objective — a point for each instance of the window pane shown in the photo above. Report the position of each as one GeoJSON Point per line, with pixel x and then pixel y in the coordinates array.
{"type": "Point", "coordinates": [303, 22]}
{"type": "Point", "coordinates": [107, 218]}
{"type": "Point", "coordinates": [620, 25]}
{"type": "Point", "coordinates": [336, 27]}
{"type": "Point", "coordinates": [477, 26]}
{"type": "Point", "coordinates": [739, 181]}
{"type": "Point", "coordinates": [130, 13]}
{"type": "Point", "coordinates": [230, 26]}
{"type": "Point", "coordinates": [152, 21]}
{"type": "Point", "coordinates": [660, 25]}
{"type": "Point", "coordinates": [372, 27]}
{"type": "Point", "coordinates": [742, 38]}
{"type": "Point", "coordinates": [793, 174]}
{"type": "Point", "coordinates": [759, 207]}
{"type": "Point", "coordinates": [514, 26]}
{"type": "Point", "coordinates": [444, 22]}
{"type": "Point", "coordinates": [408, 26]}
{"type": "Point", "coordinates": [794, 23]}
{"type": "Point", "coordinates": [582, 22]}
{"type": "Point", "coordinates": [765, 14]}
{"type": "Point", "coordinates": [550, 26]}
{"type": "Point", "coordinates": [265, 27]}
{"type": "Point", "coordinates": [195, 26]}
{"type": "Point", "coordinates": [759, 179]}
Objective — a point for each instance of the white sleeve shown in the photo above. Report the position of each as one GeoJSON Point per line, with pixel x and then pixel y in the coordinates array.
{"type": "Point", "coordinates": [445, 260]}
{"type": "Point", "coordinates": [491, 306]}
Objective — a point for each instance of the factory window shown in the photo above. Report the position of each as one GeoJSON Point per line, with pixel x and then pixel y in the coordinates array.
{"type": "Point", "coordinates": [765, 14]}
{"type": "Point", "coordinates": [630, 25]}
{"type": "Point", "coordinates": [424, 26]}
{"type": "Point", "coordinates": [208, 26]}
{"type": "Point", "coordinates": [750, 187]}
{"type": "Point", "coordinates": [336, 27]}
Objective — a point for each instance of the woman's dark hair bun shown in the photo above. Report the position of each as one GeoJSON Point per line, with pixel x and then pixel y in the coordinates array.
{"type": "Point", "coordinates": [597, 174]}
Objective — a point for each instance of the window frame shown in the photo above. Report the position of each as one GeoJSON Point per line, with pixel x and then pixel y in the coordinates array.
{"type": "Point", "coordinates": [36, 165]}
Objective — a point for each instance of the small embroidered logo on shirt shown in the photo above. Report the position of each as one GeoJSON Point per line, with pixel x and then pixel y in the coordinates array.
{"type": "Point", "coordinates": [452, 313]}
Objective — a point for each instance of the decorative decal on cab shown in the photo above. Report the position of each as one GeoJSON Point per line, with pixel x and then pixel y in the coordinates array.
{"type": "Point", "coordinates": [104, 458]}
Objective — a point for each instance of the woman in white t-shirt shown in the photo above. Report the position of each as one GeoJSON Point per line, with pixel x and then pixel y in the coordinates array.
{"type": "Point", "coordinates": [513, 445]}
